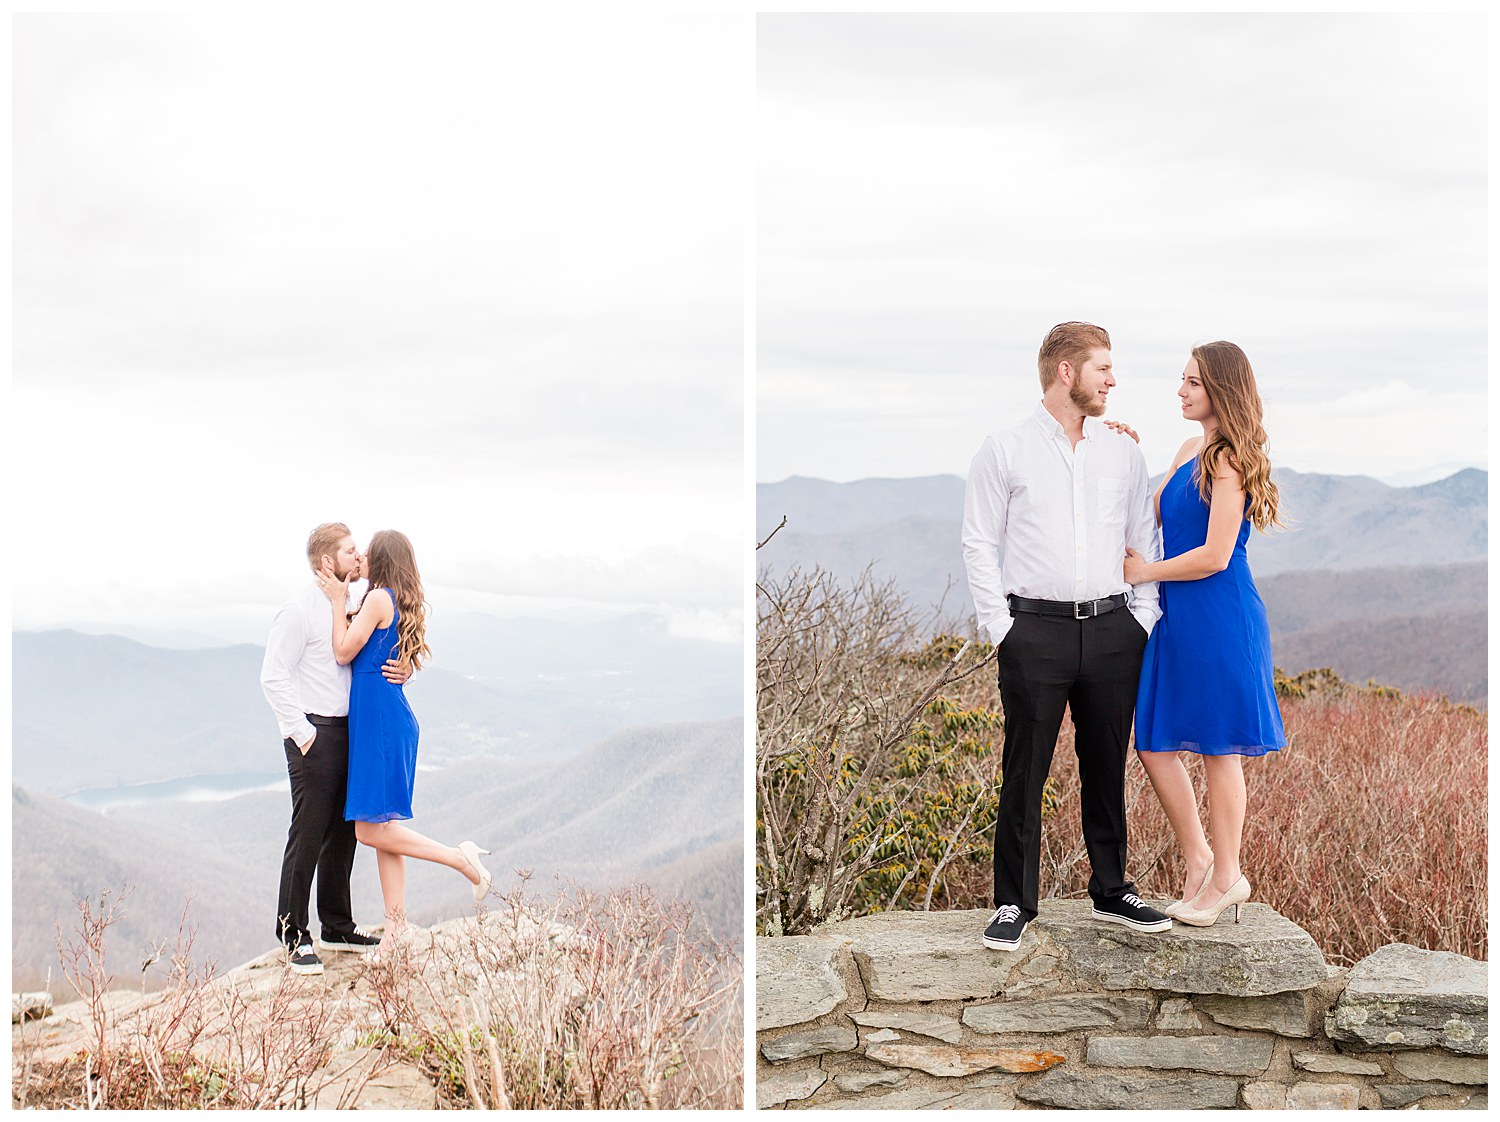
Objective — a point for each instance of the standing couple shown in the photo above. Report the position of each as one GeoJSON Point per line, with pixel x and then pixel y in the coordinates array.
{"type": "Point", "coordinates": [335, 682]}
{"type": "Point", "coordinates": [1086, 614]}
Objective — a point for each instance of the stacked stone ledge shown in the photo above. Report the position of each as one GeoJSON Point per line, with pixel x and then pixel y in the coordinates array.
{"type": "Point", "coordinates": [909, 1010]}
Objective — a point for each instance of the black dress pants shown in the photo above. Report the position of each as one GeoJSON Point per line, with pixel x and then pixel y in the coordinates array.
{"type": "Point", "coordinates": [1092, 666]}
{"type": "Point", "coordinates": [319, 839]}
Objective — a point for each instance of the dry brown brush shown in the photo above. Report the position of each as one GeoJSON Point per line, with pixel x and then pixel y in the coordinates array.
{"type": "Point", "coordinates": [615, 1000]}
{"type": "Point", "coordinates": [1368, 829]}
{"type": "Point", "coordinates": [200, 1042]}
{"type": "Point", "coordinates": [845, 800]}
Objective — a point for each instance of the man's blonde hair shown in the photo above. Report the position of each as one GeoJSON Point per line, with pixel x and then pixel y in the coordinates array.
{"type": "Point", "coordinates": [1069, 342]}
{"type": "Point", "coordinates": [324, 541]}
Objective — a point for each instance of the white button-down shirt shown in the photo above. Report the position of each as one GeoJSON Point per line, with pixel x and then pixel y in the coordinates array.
{"type": "Point", "coordinates": [1048, 521]}
{"type": "Point", "coordinates": [299, 674]}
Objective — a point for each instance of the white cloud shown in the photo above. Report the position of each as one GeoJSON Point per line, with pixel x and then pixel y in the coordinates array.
{"type": "Point", "coordinates": [937, 191]}
{"type": "Point", "coordinates": [476, 278]}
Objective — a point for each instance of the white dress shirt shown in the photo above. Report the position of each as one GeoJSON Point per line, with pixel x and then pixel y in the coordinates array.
{"type": "Point", "coordinates": [300, 674]}
{"type": "Point", "coordinates": [1048, 521]}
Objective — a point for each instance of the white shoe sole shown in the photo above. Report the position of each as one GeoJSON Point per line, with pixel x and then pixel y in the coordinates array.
{"type": "Point", "coordinates": [306, 971]}
{"type": "Point", "coordinates": [322, 946]}
{"type": "Point", "coordinates": [1000, 945]}
{"type": "Point", "coordinates": [1148, 928]}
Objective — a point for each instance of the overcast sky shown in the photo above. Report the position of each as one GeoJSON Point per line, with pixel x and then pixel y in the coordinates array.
{"type": "Point", "coordinates": [936, 191]}
{"type": "Point", "coordinates": [479, 281]}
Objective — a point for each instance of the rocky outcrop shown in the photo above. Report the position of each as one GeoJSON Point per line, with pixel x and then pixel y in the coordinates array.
{"type": "Point", "coordinates": [907, 1010]}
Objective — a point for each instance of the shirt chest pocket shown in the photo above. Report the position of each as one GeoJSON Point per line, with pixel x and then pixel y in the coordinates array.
{"type": "Point", "coordinates": [1113, 493]}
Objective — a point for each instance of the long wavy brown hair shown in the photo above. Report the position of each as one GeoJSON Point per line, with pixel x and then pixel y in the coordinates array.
{"type": "Point", "coordinates": [1230, 384]}
{"type": "Point", "coordinates": [392, 565]}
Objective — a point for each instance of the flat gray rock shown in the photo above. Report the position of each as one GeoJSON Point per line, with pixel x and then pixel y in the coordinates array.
{"type": "Point", "coordinates": [1264, 953]}
{"type": "Point", "coordinates": [1263, 1096]}
{"type": "Point", "coordinates": [1443, 1067]}
{"type": "Point", "coordinates": [1285, 1014]}
{"type": "Point", "coordinates": [1330, 1063]}
{"type": "Point", "coordinates": [929, 956]}
{"type": "Point", "coordinates": [1063, 1013]}
{"type": "Point", "coordinates": [857, 1081]}
{"type": "Point", "coordinates": [1074, 1090]}
{"type": "Point", "coordinates": [796, 979]}
{"type": "Point", "coordinates": [785, 1086]}
{"type": "Point", "coordinates": [1394, 1096]}
{"type": "Point", "coordinates": [1218, 1055]}
{"type": "Point", "coordinates": [940, 956]}
{"type": "Point", "coordinates": [1405, 997]}
{"type": "Point", "coordinates": [914, 1098]}
{"type": "Point", "coordinates": [1323, 1096]}
{"type": "Point", "coordinates": [935, 1025]}
{"type": "Point", "coordinates": [815, 1041]}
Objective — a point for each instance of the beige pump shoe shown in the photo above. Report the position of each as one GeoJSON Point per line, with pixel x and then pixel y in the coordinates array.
{"type": "Point", "coordinates": [1172, 908]}
{"type": "Point", "coordinates": [1235, 895]}
{"type": "Point", "coordinates": [472, 852]}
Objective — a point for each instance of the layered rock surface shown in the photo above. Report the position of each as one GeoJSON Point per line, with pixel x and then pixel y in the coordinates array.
{"type": "Point", "coordinates": [911, 1011]}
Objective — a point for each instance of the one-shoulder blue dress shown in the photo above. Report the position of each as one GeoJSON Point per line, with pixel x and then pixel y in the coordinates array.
{"type": "Point", "coordinates": [382, 735]}
{"type": "Point", "coordinates": [1206, 677]}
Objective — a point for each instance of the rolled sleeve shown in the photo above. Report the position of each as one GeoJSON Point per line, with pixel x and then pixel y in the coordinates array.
{"type": "Point", "coordinates": [1141, 535]}
{"type": "Point", "coordinates": [986, 502]}
{"type": "Point", "coordinates": [283, 651]}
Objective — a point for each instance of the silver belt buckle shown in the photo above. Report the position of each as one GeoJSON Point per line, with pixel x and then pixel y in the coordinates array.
{"type": "Point", "coordinates": [1079, 613]}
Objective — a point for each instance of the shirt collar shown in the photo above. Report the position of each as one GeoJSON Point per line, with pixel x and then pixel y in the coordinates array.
{"type": "Point", "coordinates": [1048, 422]}
{"type": "Point", "coordinates": [1052, 427]}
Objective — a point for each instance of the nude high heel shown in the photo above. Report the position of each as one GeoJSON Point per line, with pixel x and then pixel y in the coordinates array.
{"type": "Point", "coordinates": [1235, 895]}
{"type": "Point", "coordinates": [1176, 905]}
{"type": "Point", "coordinates": [472, 852]}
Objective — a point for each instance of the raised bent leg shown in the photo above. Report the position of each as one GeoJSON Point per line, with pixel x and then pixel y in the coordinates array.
{"type": "Point", "coordinates": [391, 837]}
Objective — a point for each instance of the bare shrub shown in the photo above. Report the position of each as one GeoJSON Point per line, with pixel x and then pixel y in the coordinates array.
{"type": "Point", "coordinates": [613, 1001]}
{"type": "Point", "coordinates": [840, 794]}
{"type": "Point", "coordinates": [1369, 828]}
{"type": "Point", "coordinates": [198, 1043]}
{"type": "Point", "coordinates": [583, 1001]}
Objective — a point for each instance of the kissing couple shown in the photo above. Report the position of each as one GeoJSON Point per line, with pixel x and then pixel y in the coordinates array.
{"type": "Point", "coordinates": [335, 678]}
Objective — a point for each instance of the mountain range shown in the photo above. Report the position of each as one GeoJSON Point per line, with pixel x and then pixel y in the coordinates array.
{"type": "Point", "coordinates": [511, 689]}
{"type": "Point", "coordinates": [586, 754]}
{"type": "Point", "coordinates": [1373, 580]}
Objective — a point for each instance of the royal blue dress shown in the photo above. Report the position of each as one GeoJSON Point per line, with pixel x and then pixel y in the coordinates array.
{"type": "Point", "coordinates": [1206, 676]}
{"type": "Point", "coordinates": [382, 735]}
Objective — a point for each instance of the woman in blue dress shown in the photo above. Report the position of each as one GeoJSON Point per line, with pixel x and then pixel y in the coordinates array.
{"type": "Point", "coordinates": [1206, 677]}
{"type": "Point", "coordinates": [390, 623]}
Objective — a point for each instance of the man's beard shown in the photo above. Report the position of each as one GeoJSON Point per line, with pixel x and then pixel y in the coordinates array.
{"type": "Point", "coordinates": [1087, 402]}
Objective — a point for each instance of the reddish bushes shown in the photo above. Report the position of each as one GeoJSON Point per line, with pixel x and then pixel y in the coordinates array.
{"type": "Point", "coordinates": [1368, 829]}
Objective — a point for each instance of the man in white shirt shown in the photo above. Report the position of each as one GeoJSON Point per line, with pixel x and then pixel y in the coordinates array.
{"type": "Point", "coordinates": [309, 693]}
{"type": "Point", "coordinates": [1050, 506]}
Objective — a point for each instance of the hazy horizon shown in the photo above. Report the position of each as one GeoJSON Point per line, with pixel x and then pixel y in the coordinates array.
{"type": "Point", "coordinates": [1433, 474]}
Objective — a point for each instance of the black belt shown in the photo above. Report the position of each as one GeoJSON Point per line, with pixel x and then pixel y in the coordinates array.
{"type": "Point", "coordinates": [1085, 609]}
{"type": "Point", "coordinates": [330, 722]}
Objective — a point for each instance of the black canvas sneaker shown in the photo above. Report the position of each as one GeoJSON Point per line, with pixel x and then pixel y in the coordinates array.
{"type": "Point", "coordinates": [1133, 912]}
{"type": "Point", "coordinates": [303, 960]}
{"type": "Point", "coordinates": [356, 941]}
{"type": "Point", "coordinates": [1005, 928]}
